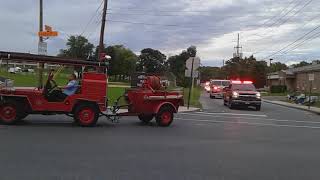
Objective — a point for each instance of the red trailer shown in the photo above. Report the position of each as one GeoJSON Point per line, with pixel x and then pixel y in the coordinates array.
{"type": "Point", "coordinates": [90, 101]}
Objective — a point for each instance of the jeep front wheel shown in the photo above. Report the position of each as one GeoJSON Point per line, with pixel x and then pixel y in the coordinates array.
{"type": "Point", "coordinates": [9, 113]}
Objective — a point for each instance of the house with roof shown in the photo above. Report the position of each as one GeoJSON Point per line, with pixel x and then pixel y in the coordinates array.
{"type": "Point", "coordinates": [296, 79]}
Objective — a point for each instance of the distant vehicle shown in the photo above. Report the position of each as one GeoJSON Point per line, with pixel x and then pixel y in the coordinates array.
{"type": "Point", "coordinates": [207, 86]}
{"type": "Point", "coordinates": [216, 88]}
{"type": "Point", "coordinates": [14, 70]}
{"type": "Point", "coordinates": [242, 93]}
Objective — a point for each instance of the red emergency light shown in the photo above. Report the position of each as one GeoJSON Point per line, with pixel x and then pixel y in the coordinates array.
{"type": "Point", "coordinates": [235, 82]}
{"type": "Point", "coordinates": [247, 82]}
{"type": "Point", "coordinates": [241, 82]}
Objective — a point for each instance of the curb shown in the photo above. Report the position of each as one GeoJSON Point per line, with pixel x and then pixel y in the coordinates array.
{"type": "Point", "coordinates": [189, 110]}
{"type": "Point", "coordinates": [193, 110]}
{"type": "Point", "coordinates": [304, 108]}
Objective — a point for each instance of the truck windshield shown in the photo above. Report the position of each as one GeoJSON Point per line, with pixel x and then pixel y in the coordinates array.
{"type": "Point", "coordinates": [225, 83]}
{"type": "Point", "coordinates": [243, 87]}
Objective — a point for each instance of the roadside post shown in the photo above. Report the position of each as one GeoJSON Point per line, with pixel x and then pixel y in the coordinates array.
{"type": "Point", "coordinates": [192, 65]}
{"type": "Point", "coordinates": [311, 79]}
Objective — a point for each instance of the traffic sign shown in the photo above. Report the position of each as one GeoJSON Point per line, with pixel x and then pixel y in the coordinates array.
{"type": "Point", "coordinates": [42, 48]}
{"type": "Point", "coordinates": [48, 33]}
{"type": "Point", "coordinates": [196, 65]}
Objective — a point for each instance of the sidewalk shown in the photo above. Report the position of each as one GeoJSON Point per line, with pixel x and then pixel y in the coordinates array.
{"type": "Point", "coordinates": [296, 106]}
{"type": "Point", "coordinates": [182, 109]}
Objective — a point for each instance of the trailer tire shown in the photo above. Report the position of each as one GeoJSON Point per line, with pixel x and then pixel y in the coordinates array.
{"type": "Point", "coordinates": [9, 112]}
{"type": "Point", "coordinates": [164, 117]}
{"type": "Point", "coordinates": [146, 118]}
{"type": "Point", "coordinates": [86, 115]}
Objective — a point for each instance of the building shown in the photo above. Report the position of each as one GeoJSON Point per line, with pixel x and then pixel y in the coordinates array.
{"type": "Point", "coordinates": [297, 79]}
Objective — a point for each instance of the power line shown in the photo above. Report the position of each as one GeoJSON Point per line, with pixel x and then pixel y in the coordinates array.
{"type": "Point", "coordinates": [154, 24]}
{"type": "Point", "coordinates": [92, 18]}
{"type": "Point", "coordinates": [297, 12]}
{"type": "Point", "coordinates": [311, 38]}
{"type": "Point", "coordinates": [270, 19]}
{"type": "Point", "coordinates": [302, 37]}
{"type": "Point", "coordinates": [279, 19]}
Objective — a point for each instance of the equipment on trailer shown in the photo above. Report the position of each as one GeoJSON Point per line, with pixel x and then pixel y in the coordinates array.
{"type": "Point", "coordinates": [89, 102]}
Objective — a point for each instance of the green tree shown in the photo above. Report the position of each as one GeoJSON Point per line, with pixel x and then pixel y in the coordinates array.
{"type": "Point", "coordinates": [247, 69]}
{"type": "Point", "coordinates": [301, 64]}
{"type": "Point", "coordinates": [177, 65]}
{"type": "Point", "coordinates": [152, 61]}
{"type": "Point", "coordinates": [122, 63]}
{"type": "Point", "coordinates": [77, 47]}
{"type": "Point", "coordinates": [208, 73]}
{"type": "Point", "coordinates": [278, 66]}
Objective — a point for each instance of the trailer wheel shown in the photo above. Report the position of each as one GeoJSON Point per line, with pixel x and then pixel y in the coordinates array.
{"type": "Point", "coordinates": [165, 116]}
{"type": "Point", "coordinates": [146, 118]}
{"type": "Point", "coordinates": [86, 115]}
{"type": "Point", "coordinates": [9, 113]}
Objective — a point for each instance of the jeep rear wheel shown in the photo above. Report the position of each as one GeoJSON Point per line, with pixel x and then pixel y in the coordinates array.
{"type": "Point", "coordinates": [165, 116]}
{"type": "Point", "coordinates": [86, 115]}
{"type": "Point", "coordinates": [145, 118]}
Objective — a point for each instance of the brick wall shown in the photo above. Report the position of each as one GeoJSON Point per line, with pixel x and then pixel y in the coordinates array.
{"type": "Point", "coordinates": [302, 82]}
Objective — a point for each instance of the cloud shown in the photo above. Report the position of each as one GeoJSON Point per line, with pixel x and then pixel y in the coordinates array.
{"type": "Point", "coordinates": [170, 26]}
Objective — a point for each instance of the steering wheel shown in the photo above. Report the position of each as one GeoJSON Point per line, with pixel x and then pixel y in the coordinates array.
{"type": "Point", "coordinates": [50, 86]}
{"type": "Point", "coordinates": [54, 86]}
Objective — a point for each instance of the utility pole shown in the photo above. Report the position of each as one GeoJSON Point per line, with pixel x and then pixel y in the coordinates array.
{"type": "Point", "coordinates": [271, 62]}
{"type": "Point", "coordinates": [41, 65]}
{"type": "Point", "coordinates": [238, 48]}
{"type": "Point", "coordinates": [103, 24]}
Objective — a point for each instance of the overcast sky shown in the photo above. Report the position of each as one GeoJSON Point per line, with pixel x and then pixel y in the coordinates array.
{"type": "Point", "coordinates": [265, 26]}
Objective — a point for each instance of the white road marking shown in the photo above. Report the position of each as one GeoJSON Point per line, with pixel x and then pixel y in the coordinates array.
{"type": "Point", "coordinates": [231, 114]}
{"type": "Point", "coordinates": [254, 124]}
{"type": "Point", "coordinates": [252, 118]}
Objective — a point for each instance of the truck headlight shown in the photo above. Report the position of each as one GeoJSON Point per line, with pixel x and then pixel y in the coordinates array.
{"type": "Point", "coordinates": [259, 95]}
{"type": "Point", "coordinates": [235, 94]}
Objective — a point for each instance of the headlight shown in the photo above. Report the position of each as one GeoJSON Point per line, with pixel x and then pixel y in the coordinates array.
{"type": "Point", "coordinates": [235, 94]}
{"type": "Point", "coordinates": [258, 95]}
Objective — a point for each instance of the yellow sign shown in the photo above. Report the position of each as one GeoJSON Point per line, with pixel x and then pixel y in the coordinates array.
{"type": "Point", "coordinates": [48, 33]}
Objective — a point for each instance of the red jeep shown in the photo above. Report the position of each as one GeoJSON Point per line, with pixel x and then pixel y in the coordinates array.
{"type": "Point", "coordinates": [90, 101]}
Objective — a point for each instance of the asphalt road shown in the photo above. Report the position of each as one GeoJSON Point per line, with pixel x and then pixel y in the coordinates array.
{"type": "Point", "coordinates": [276, 143]}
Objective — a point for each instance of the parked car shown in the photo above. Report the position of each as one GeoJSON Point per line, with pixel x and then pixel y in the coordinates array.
{"type": "Point", "coordinates": [216, 88]}
{"type": "Point", "coordinates": [242, 93]}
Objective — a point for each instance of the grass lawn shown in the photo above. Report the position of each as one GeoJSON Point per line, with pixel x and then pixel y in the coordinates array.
{"type": "Point", "coordinates": [25, 79]}
{"type": "Point", "coordinates": [274, 94]}
{"type": "Point", "coordinates": [114, 93]}
{"type": "Point", "coordinates": [194, 100]}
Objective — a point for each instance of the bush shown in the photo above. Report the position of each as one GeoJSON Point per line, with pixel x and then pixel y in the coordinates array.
{"type": "Point", "coordinates": [278, 89]}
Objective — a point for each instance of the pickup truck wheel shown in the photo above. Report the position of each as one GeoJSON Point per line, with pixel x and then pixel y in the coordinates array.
{"type": "Point", "coordinates": [9, 113]}
{"type": "Point", "coordinates": [164, 117]}
{"type": "Point", "coordinates": [145, 118]}
{"type": "Point", "coordinates": [230, 104]}
{"type": "Point", "coordinates": [86, 115]}
{"type": "Point", "coordinates": [258, 108]}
